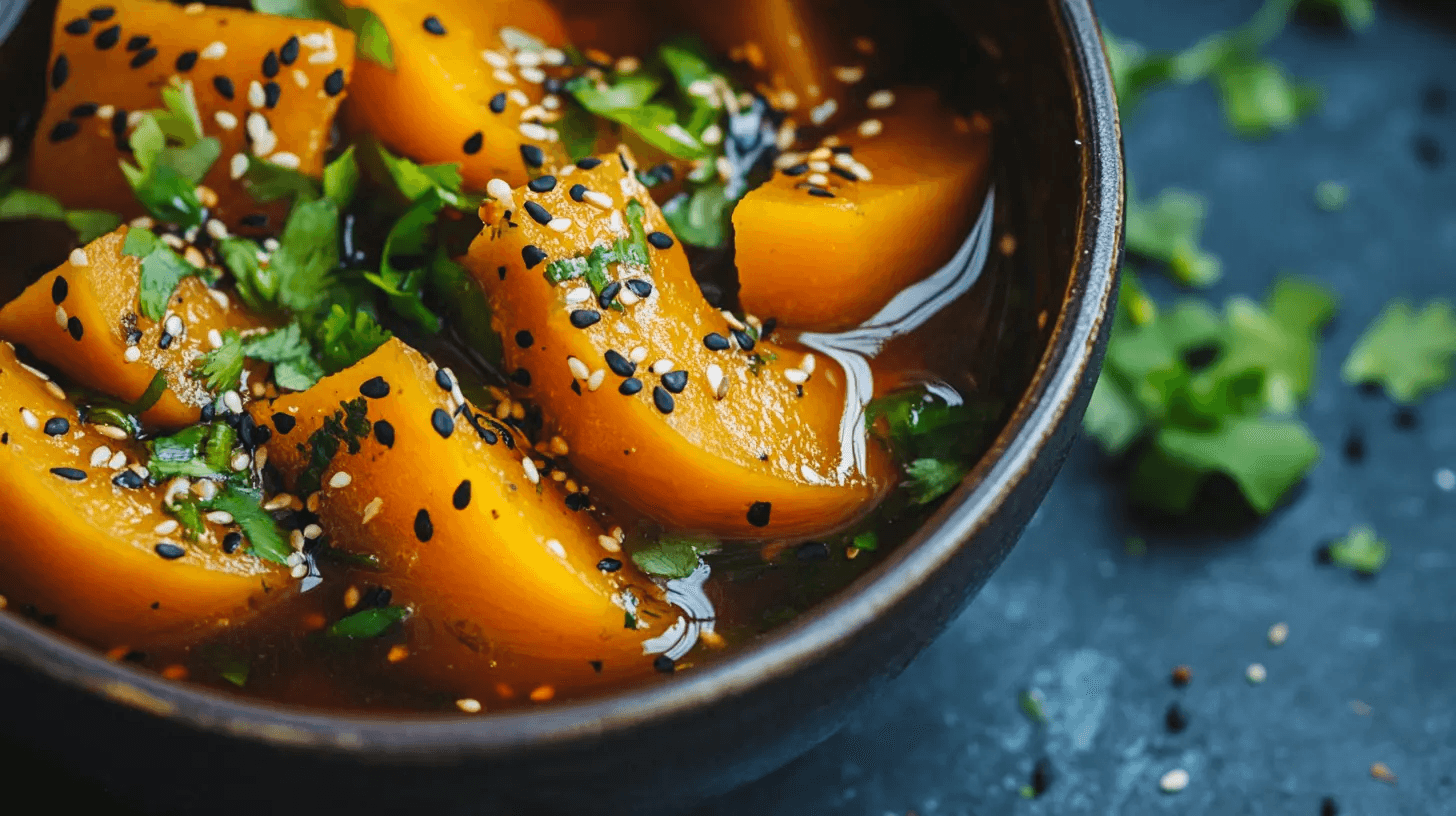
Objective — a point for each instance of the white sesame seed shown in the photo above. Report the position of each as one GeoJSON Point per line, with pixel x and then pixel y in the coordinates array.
{"type": "Point", "coordinates": [1174, 781]}
{"type": "Point", "coordinates": [555, 547]}
{"type": "Point", "coordinates": [278, 502]}
{"type": "Point", "coordinates": [322, 57]}
{"type": "Point", "coordinates": [132, 354]}
{"type": "Point", "coordinates": [504, 77]}
{"type": "Point", "coordinates": [167, 527]}
{"type": "Point", "coordinates": [870, 127]}
{"type": "Point", "coordinates": [100, 456]}
{"type": "Point", "coordinates": [214, 338]}
{"type": "Point", "coordinates": [240, 462]}
{"type": "Point", "coordinates": [553, 56]}
{"type": "Point", "coordinates": [36, 373]}
{"type": "Point", "coordinates": [596, 379]}
{"type": "Point", "coordinates": [581, 294]}
{"type": "Point", "coordinates": [29, 419]}
{"type": "Point", "coordinates": [61, 316]}
{"type": "Point", "coordinates": [879, 100]}
{"type": "Point", "coordinates": [78, 257]}
{"type": "Point", "coordinates": [600, 200]}
{"type": "Point", "coordinates": [141, 222]}
{"type": "Point", "coordinates": [216, 50]}
{"type": "Point", "coordinates": [499, 190]}
{"type": "Point", "coordinates": [578, 368]}
{"type": "Point", "coordinates": [849, 74]}
{"type": "Point", "coordinates": [296, 540]}
{"type": "Point", "coordinates": [496, 59]}
{"type": "Point", "coordinates": [795, 376]}
{"type": "Point", "coordinates": [1256, 673]}
{"type": "Point", "coordinates": [265, 143]}
{"type": "Point", "coordinates": [638, 354]}
{"type": "Point", "coordinates": [715, 380]}
{"type": "Point", "coordinates": [55, 390]}
{"type": "Point", "coordinates": [237, 166]}
{"type": "Point", "coordinates": [255, 94]}
{"type": "Point", "coordinates": [661, 367]}
{"type": "Point", "coordinates": [220, 516]}
{"type": "Point", "coordinates": [559, 224]}
{"type": "Point", "coordinates": [294, 559]}
{"type": "Point", "coordinates": [118, 460]}
{"type": "Point", "coordinates": [469, 705]}
{"type": "Point", "coordinates": [532, 74]}
{"type": "Point", "coordinates": [533, 131]}
{"type": "Point", "coordinates": [532, 475]}
{"type": "Point", "coordinates": [627, 65]}
{"type": "Point", "coordinates": [300, 78]}
{"type": "Point", "coordinates": [712, 134]}
{"type": "Point", "coordinates": [1278, 633]}
{"type": "Point", "coordinates": [271, 244]}
{"type": "Point", "coordinates": [519, 97]}
{"type": "Point", "coordinates": [818, 179]}
{"type": "Point", "coordinates": [314, 40]}
{"type": "Point", "coordinates": [232, 401]}
{"type": "Point", "coordinates": [1446, 479]}
{"type": "Point", "coordinates": [819, 114]}
{"type": "Point", "coordinates": [299, 571]}
{"type": "Point", "coordinates": [733, 320]}
{"type": "Point", "coordinates": [174, 241]}
{"type": "Point", "coordinates": [627, 297]}
{"type": "Point", "coordinates": [340, 480]}
{"type": "Point", "coordinates": [218, 230]}
{"type": "Point", "coordinates": [225, 120]}
{"type": "Point", "coordinates": [111, 431]}
{"type": "Point", "coordinates": [372, 509]}
{"type": "Point", "coordinates": [788, 132]}
{"type": "Point", "coordinates": [609, 544]}
{"type": "Point", "coordinates": [312, 531]}
{"type": "Point", "coordinates": [819, 167]}
{"type": "Point", "coordinates": [285, 159]}
{"type": "Point", "coordinates": [551, 102]}
{"type": "Point", "coordinates": [807, 364]}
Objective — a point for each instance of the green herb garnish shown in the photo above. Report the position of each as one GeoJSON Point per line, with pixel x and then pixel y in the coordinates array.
{"type": "Point", "coordinates": [672, 557]}
{"type": "Point", "coordinates": [1030, 703]}
{"type": "Point", "coordinates": [1407, 351]}
{"type": "Point", "coordinates": [346, 428]}
{"type": "Point", "coordinates": [172, 157]}
{"type": "Point", "coordinates": [1168, 229]}
{"type": "Point", "coordinates": [265, 539]}
{"type": "Point", "coordinates": [1361, 550]}
{"type": "Point", "coordinates": [371, 37]}
{"type": "Point", "coordinates": [369, 623]}
{"type": "Point", "coordinates": [17, 204]}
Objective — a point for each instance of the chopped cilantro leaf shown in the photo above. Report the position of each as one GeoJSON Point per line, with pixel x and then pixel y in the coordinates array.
{"type": "Point", "coordinates": [577, 131]}
{"type": "Point", "coordinates": [346, 428]}
{"type": "Point", "coordinates": [413, 180]}
{"type": "Point", "coordinates": [1168, 229]}
{"type": "Point", "coordinates": [234, 670]}
{"type": "Point", "coordinates": [341, 178]}
{"type": "Point", "coordinates": [291, 355]}
{"type": "Point", "coordinates": [218, 449]}
{"type": "Point", "coordinates": [371, 37]}
{"type": "Point", "coordinates": [1331, 196]}
{"type": "Point", "coordinates": [1264, 457]}
{"type": "Point", "coordinates": [265, 539]}
{"type": "Point", "coordinates": [929, 479]}
{"type": "Point", "coordinates": [256, 284]}
{"type": "Point", "coordinates": [266, 181]}
{"type": "Point", "coordinates": [1407, 351]}
{"type": "Point", "coordinates": [672, 557]}
{"type": "Point", "coordinates": [701, 217]}
{"type": "Point", "coordinates": [1260, 98]}
{"type": "Point", "coordinates": [867, 540]}
{"type": "Point", "coordinates": [181, 454]}
{"type": "Point", "coordinates": [307, 254]}
{"type": "Point", "coordinates": [408, 238]}
{"type": "Point", "coordinates": [1361, 550]}
{"type": "Point", "coordinates": [346, 338]}
{"type": "Point", "coordinates": [369, 623]}
{"type": "Point", "coordinates": [16, 204]}
{"type": "Point", "coordinates": [189, 515]}
{"type": "Point", "coordinates": [1030, 703]}
{"type": "Point", "coordinates": [162, 271]}
{"type": "Point", "coordinates": [172, 156]}
{"type": "Point", "coordinates": [223, 366]}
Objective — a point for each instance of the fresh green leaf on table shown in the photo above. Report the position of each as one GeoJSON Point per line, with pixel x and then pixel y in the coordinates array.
{"type": "Point", "coordinates": [1260, 98]}
{"type": "Point", "coordinates": [1361, 550]}
{"type": "Point", "coordinates": [1168, 229]}
{"type": "Point", "coordinates": [1406, 350]}
{"type": "Point", "coordinates": [1356, 14]}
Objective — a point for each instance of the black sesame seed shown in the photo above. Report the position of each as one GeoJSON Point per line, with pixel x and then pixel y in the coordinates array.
{"type": "Point", "coordinates": [1355, 446]}
{"type": "Point", "coordinates": [716, 342]}
{"type": "Point", "coordinates": [84, 110]}
{"type": "Point", "coordinates": [758, 513]}
{"type": "Point", "coordinates": [334, 82]}
{"type": "Point", "coordinates": [1405, 418]}
{"type": "Point", "coordinates": [675, 381]}
{"type": "Point", "coordinates": [270, 65]}
{"type": "Point", "coordinates": [639, 287]}
{"type": "Point", "coordinates": [186, 61]}
{"type": "Point", "coordinates": [663, 172]}
{"type": "Point", "coordinates": [101, 13]}
{"type": "Point", "coordinates": [576, 502]}
{"type": "Point", "coordinates": [1176, 719]}
{"type": "Point", "coordinates": [108, 38]}
{"type": "Point", "coordinates": [553, 85]}
{"type": "Point", "coordinates": [596, 665]}
{"type": "Point", "coordinates": [609, 565]}
{"type": "Point", "coordinates": [630, 386]}
{"type": "Point", "coordinates": [820, 192]}
{"type": "Point", "coordinates": [582, 318]}
{"type": "Point", "coordinates": [271, 94]}
{"type": "Point", "coordinates": [532, 155]}
{"type": "Point", "coordinates": [129, 480]}
{"type": "Point", "coordinates": [661, 240]}
{"type": "Point", "coordinates": [1328, 807]}
{"type": "Point", "coordinates": [59, 290]}
{"type": "Point", "coordinates": [138, 42]}
{"type": "Point", "coordinates": [538, 213]}
{"type": "Point", "coordinates": [208, 412]}
{"type": "Point", "coordinates": [254, 220]}
{"type": "Point", "coordinates": [60, 72]}
{"type": "Point", "coordinates": [524, 339]}
{"type": "Point", "coordinates": [844, 174]}
{"type": "Point", "coordinates": [224, 86]}
{"type": "Point", "coordinates": [441, 421]}
{"type": "Point", "coordinates": [619, 365]}
{"type": "Point", "coordinates": [442, 379]}
{"type": "Point", "coordinates": [434, 26]}
{"type": "Point", "coordinates": [521, 377]}
{"type": "Point", "coordinates": [812, 551]}
{"type": "Point", "coordinates": [500, 272]}
{"type": "Point", "coordinates": [577, 192]}
{"type": "Point", "coordinates": [231, 542]}
{"type": "Point", "coordinates": [57, 426]}
{"type": "Point", "coordinates": [374, 388]}
{"type": "Point", "coordinates": [664, 664]}
{"type": "Point", "coordinates": [289, 52]}
{"type": "Point", "coordinates": [662, 399]}
{"type": "Point", "coordinates": [609, 294]}
{"type": "Point", "coordinates": [424, 529]}
{"type": "Point", "coordinates": [73, 325]}
{"type": "Point", "coordinates": [64, 130]}
{"type": "Point", "coordinates": [589, 163]}
{"type": "Point", "coordinates": [384, 433]}
{"type": "Point", "coordinates": [461, 498]}
{"type": "Point", "coordinates": [576, 386]}
{"type": "Point", "coordinates": [622, 159]}
{"type": "Point", "coordinates": [543, 184]}
{"type": "Point", "coordinates": [473, 143]}
{"type": "Point", "coordinates": [1428, 151]}
{"type": "Point", "coordinates": [768, 327]}
{"type": "Point", "coordinates": [70, 474]}
{"type": "Point", "coordinates": [284, 423]}
{"type": "Point", "coordinates": [745, 342]}
{"type": "Point", "coordinates": [532, 255]}
{"type": "Point", "coordinates": [796, 169]}
{"type": "Point", "coordinates": [118, 123]}
{"type": "Point", "coordinates": [1041, 777]}
{"type": "Point", "coordinates": [498, 103]}
{"type": "Point", "coordinates": [169, 551]}
{"type": "Point", "coordinates": [78, 26]}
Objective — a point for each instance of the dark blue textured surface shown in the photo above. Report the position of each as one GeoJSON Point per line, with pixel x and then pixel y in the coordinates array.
{"type": "Point", "coordinates": [1097, 631]}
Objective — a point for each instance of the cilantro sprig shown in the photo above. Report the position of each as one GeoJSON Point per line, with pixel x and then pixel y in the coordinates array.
{"type": "Point", "coordinates": [1406, 350]}
{"type": "Point", "coordinates": [936, 441]}
{"type": "Point", "coordinates": [172, 157]}
{"type": "Point", "coordinates": [17, 203]}
{"type": "Point", "coordinates": [1168, 229]}
{"type": "Point", "coordinates": [673, 557]}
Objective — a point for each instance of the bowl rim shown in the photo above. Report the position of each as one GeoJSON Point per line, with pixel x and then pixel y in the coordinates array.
{"type": "Point", "coordinates": [1058, 379]}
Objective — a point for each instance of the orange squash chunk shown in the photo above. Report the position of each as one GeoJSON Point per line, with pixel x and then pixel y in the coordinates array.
{"type": "Point", "coordinates": [80, 544]}
{"type": "Point", "coordinates": [106, 68]}
{"type": "Point", "coordinates": [457, 92]}
{"type": "Point", "coordinates": [84, 319]}
{"type": "Point", "coordinates": [829, 263]}
{"type": "Point", "coordinates": [663, 403]}
{"type": "Point", "coordinates": [503, 578]}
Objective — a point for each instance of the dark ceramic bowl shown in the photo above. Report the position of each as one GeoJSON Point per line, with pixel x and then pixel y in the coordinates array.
{"type": "Point", "coordinates": [1039, 64]}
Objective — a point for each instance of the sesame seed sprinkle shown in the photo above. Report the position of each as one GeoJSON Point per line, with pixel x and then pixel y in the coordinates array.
{"type": "Point", "coordinates": [341, 479]}
{"type": "Point", "coordinates": [596, 379]}
{"type": "Point", "coordinates": [117, 460]}
{"type": "Point", "coordinates": [532, 474]}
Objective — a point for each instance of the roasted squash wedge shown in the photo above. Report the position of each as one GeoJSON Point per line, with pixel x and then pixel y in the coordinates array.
{"type": "Point", "coordinates": [264, 85]}
{"type": "Point", "coordinates": [82, 539]}
{"type": "Point", "coordinates": [466, 86]}
{"type": "Point", "coordinates": [84, 319]}
{"type": "Point", "coordinates": [673, 406]}
{"type": "Point", "coordinates": [885, 207]}
{"type": "Point", "coordinates": [502, 569]}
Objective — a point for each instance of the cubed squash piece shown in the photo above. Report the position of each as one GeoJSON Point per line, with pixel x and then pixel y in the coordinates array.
{"type": "Point", "coordinates": [466, 86]}
{"type": "Point", "coordinates": [264, 85]}
{"type": "Point", "coordinates": [509, 579]}
{"type": "Point", "coordinates": [84, 319]}
{"type": "Point", "coordinates": [86, 538]}
{"type": "Point", "coordinates": [674, 407]}
{"type": "Point", "coordinates": [830, 239]}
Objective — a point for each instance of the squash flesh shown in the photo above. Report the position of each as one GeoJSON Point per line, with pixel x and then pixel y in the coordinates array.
{"type": "Point", "coordinates": [710, 465]}
{"type": "Point", "coordinates": [85, 550]}
{"type": "Point", "coordinates": [101, 296]}
{"type": "Point", "coordinates": [82, 171]}
{"type": "Point", "coordinates": [505, 589]}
